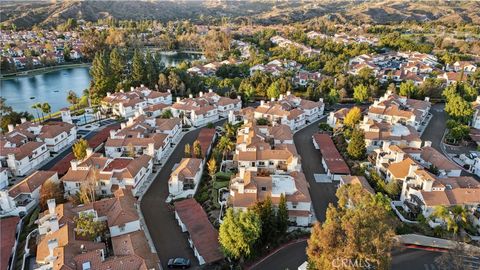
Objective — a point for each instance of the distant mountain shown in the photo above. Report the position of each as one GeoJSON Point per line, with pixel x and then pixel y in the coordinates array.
{"type": "Point", "coordinates": [27, 14]}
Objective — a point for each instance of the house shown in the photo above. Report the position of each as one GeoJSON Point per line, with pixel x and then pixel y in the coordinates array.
{"type": "Point", "coordinates": [185, 177]}
{"type": "Point", "coordinates": [379, 133]}
{"type": "Point", "coordinates": [290, 110]}
{"type": "Point", "coordinates": [25, 195]}
{"type": "Point", "coordinates": [356, 180]}
{"type": "Point", "coordinates": [8, 227]}
{"type": "Point", "coordinates": [335, 119]}
{"type": "Point", "coordinates": [476, 115]}
{"type": "Point", "coordinates": [451, 77]}
{"type": "Point", "coordinates": [396, 109]}
{"type": "Point", "coordinates": [203, 237]}
{"type": "Point", "coordinates": [57, 135]}
{"type": "Point", "coordinates": [249, 187]}
{"type": "Point", "coordinates": [332, 160]}
{"type": "Point", "coordinates": [24, 158]}
{"type": "Point", "coordinates": [206, 137]}
{"type": "Point", "coordinates": [423, 192]}
{"type": "Point", "coordinates": [153, 145]}
{"type": "Point", "coordinates": [104, 174]}
{"type": "Point", "coordinates": [61, 247]}
{"type": "Point", "coordinates": [465, 66]}
{"type": "Point", "coordinates": [125, 104]}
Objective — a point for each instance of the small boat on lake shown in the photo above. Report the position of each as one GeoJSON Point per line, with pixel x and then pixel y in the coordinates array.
{"type": "Point", "coordinates": [32, 97]}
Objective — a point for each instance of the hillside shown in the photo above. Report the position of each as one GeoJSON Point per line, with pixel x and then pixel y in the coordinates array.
{"type": "Point", "coordinates": [49, 13]}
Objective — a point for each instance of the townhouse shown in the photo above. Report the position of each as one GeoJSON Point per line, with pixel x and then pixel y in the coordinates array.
{"type": "Point", "coordinates": [290, 110]}
{"type": "Point", "coordinates": [465, 66]}
{"type": "Point", "coordinates": [185, 177]}
{"type": "Point", "coordinates": [394, 109]}
{"type": "Point", "coordinates": [332, 161]}
{"type": "Point", "coordinates": [276, 67]}
{"type": "Point", "coordinates": [104, 174]}
{"type": "Point", "coordinates": [475, 123]}
{"type": "Point", "coordinates": [335, 119]}
{"type": "Point", "coordinates": [22, 197]}
{"type": "Point", "coordinates": [205, 108]}
{"type": "Point", "coordinates": [285, 43]}
{"type": "Point", "coordinates": [125, 104]}
{"type": "Point", "coordinates": [249, 187]}
{"type": "Point", "coordinates": [61, 247]}
{"type": "Point", "coordinates": [379, 133]}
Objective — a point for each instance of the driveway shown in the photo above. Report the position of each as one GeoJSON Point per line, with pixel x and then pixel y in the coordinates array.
{"type": "Point", "coordinates": [321, 194]}
{"type": "Point", "coordinates": [435, 129]}
{"type": "Point", "coordinates": [159, 216]}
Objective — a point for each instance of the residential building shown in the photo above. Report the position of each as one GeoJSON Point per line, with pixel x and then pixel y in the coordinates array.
{"type": "Point", "coordinates": [249, 187]}
{"type": "Point", "coordinates": [202, 236]}
{"type": "Point", "coordinates": [332, 161]}
{"type": "Point", "coordinates": [335, 119]}
{"type": "Point", "coordinates": [476, 115]}
{"type": "Point", "coordinates": [185, 178]}
{"type": "Point", "coordinates": [125, 104]}
{"type": "Point", "coordinates": [60, 246]}
{"type": "Point", "coordinates": [105, 174]}
{"type": "Point", "coordinates": [22, 197]}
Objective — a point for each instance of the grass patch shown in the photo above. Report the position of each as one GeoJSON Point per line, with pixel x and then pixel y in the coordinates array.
{"type": "Point", "coordinates": [223, 176]}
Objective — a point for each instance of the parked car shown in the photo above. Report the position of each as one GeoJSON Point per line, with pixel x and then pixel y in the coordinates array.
{"type": "Point", "coordinates": [182, 263]}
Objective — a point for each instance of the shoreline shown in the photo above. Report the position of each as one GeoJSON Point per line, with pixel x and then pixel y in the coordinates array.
{"type": "Point", "coordinates": [39, 71]}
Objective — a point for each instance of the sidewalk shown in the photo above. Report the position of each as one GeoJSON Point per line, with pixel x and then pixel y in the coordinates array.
{"type": "Point", "coordinates": [426, 241]}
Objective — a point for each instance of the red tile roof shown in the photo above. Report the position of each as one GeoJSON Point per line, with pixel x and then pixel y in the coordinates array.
{"type": "Point", "coordinates": [205, 137]}
{"type": "Point", "coordinates": [203, 234]}
{"type": "Point", "coordinates": [7, 236]}
{"type": "Point", "coordinates": [330, 154]}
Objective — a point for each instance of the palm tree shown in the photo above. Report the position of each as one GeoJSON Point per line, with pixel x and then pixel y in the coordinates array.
{"type": "Point", "coordinates": [72, 98]}
{"type": "Point", "coordinates": [226, 145]}
{"type": "Point", "coordinates": [46, 108]}
{"type": "Point", "coordinates": [230, 130]}
{"type": "Point", "coordinates": [460, 217]}
{"type": "Point", "coordinates": [36, 106]}
{"type": "Point", "coordinates": [444, 214]}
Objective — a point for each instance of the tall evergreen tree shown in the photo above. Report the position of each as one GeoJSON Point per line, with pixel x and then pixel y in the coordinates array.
{"type": "Point", "coordinates": [101, 75]}
{"type": "Point", "coordinates": [117, 64]}
{"type": "Point", "coordinates": [151, 72]}
{"type": "Point", "coordinates": [356, 146]}
{"type": "Point", "coordinates": [269, 229]}
{"type": "Point", "coordinates": [282, 215]}
{"type": "Point", "coordinates": [138, 68]}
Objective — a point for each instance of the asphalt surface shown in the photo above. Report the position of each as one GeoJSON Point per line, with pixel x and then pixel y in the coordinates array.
{"type": "Point", "coordinates": [169, 240]}
{"type": "Point", "coordinates": [294, 255]}
{"type": "Point", "coordinates": [435, 129]}
{"type": "Point", "coordinates": [322, 194]}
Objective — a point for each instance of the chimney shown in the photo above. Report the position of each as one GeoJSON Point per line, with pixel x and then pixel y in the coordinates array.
{"type": "Point", "coordinates": [412, 168]}
{"type": "Point", "coordinates": [169, 91]}
{"type": "Point", "coordinates": [109, 94]}
{"type": "Point", "coordinates": [51, 206]}
{"type": "Point", "coordinates": [178, 99]}
{"type": "Point", "coordinates": [122, 125]}
{"type": "Point", "coordinates": [73, 164]}
{"type": "Point", "coordinates": [156, 86]}
{"type": "Point", "coordinates": [52, 244]}
{"type": "Point", "coordinates": [478, 99]}
{"type": "Point", "coordinates": [137, 114]}
{"type": "Point", "coordinates": [427, 143]}
{"type": "Point", "coordinates": [122, 91]}
{"type": "Point", "coordinates": [280, 97]}
{"type": "Point", "coordinates": [262, 102]}
{"type": "Point", "coordinates": [190, 96]}
{"type": "Point", "coordinates": [54, 225]}
{"type": "Point", "coordinates": [210, 90]}
{"type": "Point", "coordinates": [11, 127]}
{"type": "Point", "coordinates": [140, 111]}
{"type": "Point", "coordinates": [90, 150]}
{"type": "Point", "coordinates": [131, 88]}
{"type": "Point", "coordinates": [427, 99]}
{"type": "Point", "coordinates": [320, 100]}
{"type": "Point", "coordinates": [142, 86]}
{"type": "Point", "coordinates": [23, 120]}
{"type": "Point", "coordinates": [272, 99]}
{"type": "Point", "coordinates": [200, 94]}
{"type": "Point", "coordinates": [239, 97]}
{"type": "Point", "coordinates": [289, 93]}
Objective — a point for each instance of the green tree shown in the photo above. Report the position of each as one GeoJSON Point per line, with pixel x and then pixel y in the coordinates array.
{"type": "Point", "coordinates": [362, 232]}
{"type": "Point", "coordinates": [408, 89]}
{"type": "Point", "coordinates": [197, 149]}
{"type": "Point", "coordinates": [356, 146]}
{"type": "Point", "coordinates": [282, 216]}
{"type": "Point", "coordinates": [138, 68]}
{"type": "Point", "coordinates": [188, 151]}
{"type": "Point", "coordinates": [46, 108]}
{"type": "Point", "coordinates": [117, 65]}
{"type": "Point", "coordinates": [226, 145]}
{"type": "Point", "coordinates": [79, 149]}
{"type": "Point", "coordinates": [360, 93]}
{"type": "Point", "coordinates": [167, 114]}
{"type": "Point", "coordinates": [72, 98]}
{"type": "Point", "coordinates": [162, 82]}
{"type": "Point", "coordinates": [212, 168]}
{"type": "Point", "coordinates": [459, 109]}
{"type": "Point", "coordinates": [239, 232]}
{"type": "Point", "coordinates": [353, 117]}
{"type": "Point", "coordinates": [13, 118]}
{"type": "Point", "coordinates": [86, 226]}
{"type": "Point", "coordinates": [273, 90]}
{"type": "Point", "coordinates": [151, 72]}
{"type": "Point", "coordinates": [333, 96]}
{"type": "Point", "coordinates": [36, 107]}
{"type": "Point", "coordinates": [101, 73]}
{"type": "Point", "coordinates": [264, 210]}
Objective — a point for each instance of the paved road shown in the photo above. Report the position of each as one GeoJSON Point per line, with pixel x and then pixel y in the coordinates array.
{"type": "Point", "coordinates": [435, 129]}
{"type": "Point", "coordinates": [294, 255]}
{"type": "Point", "coordinates": [321, 193]}
{"type": "Point", "coordinates": [167, 237]}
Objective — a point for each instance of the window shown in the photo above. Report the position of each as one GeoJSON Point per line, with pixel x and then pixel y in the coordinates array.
{"type": "Point", "coordinates": [264, 188]}
{"type": "Point", "coordinates": [253, 164]}
{"type": "Point", "coordinates": [102, 183]}
{"type": "Point", "coordinates": [77, 184]}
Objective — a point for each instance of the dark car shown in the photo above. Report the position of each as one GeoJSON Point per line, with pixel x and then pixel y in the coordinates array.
{"type": "Point", "coordinates": [182, 263]}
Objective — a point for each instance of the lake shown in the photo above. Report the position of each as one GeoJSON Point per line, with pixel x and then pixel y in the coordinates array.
{"type": "Point", "coordinates": [53, 87]}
